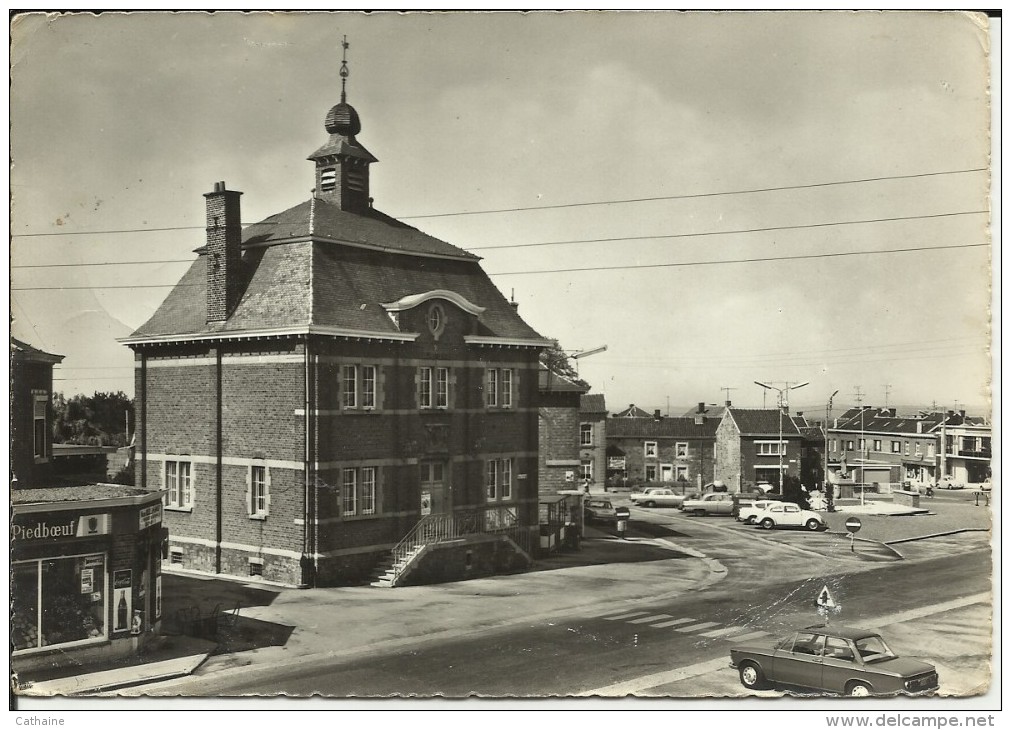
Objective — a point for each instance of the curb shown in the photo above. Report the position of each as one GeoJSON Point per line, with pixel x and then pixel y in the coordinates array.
{"type": "Point", "coordinates": [937, 534]}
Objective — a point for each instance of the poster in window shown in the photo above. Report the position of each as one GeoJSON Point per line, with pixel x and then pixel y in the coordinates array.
{"type": "Point", "coordinates": [426, 503]}
{"type": "Point", "coordinates": [122, 600]}
{"type": "Point", "coordinates": [87, 580]}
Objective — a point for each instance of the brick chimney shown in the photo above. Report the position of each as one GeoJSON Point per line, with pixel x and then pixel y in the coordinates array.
{"type": "Point", "coordinates": [702, 407]}
{"type": "Point", "coordinates": [224, 250]}
{"type": "Point", "coordinates": [727, 403]}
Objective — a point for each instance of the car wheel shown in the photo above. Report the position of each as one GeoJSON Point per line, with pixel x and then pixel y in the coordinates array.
{"type": "Point", "coordinates": [750, 520]}
{"type": "Point", "coordinates": [767, 523]}
{"type": "Point", "coordinates": [858, 689]}
{"type": "Point", "coordinates": [649, 504]}
{"type": "Point", "coordinates": [812, 524]}
{"type": "Point", "coordinates": [699, 513]}
{"type": "Point", "coordinates": [751, 676]}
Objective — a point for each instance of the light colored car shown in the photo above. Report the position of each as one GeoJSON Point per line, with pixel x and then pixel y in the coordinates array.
{"type": "Point", "coordinates": [833, 659]}
{"type": "Point", "coordinates": [949, 482]}
{"type": "Point", "coordinates": [601, 510]}
{"type": "Point", "coordinates": [749, 512]}
{"type": "Point", "coordinates": [787, 514]}
{"type": "Point", "coordinates": [718, 503]}
{"type": "Point", "coordinates": [657, 497]}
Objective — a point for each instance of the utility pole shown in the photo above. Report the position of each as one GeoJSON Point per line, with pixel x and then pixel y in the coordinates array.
{"type": "Point", "coordinates": [888, 390]}
{"type": "Point", "coordinates": [784, 405]}
{"type": "Point", "coordinates": [829, 491]}
{"type": "Point", "coordinates": [859, 397]}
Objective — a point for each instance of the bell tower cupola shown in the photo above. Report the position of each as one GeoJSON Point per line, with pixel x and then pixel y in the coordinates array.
{"type": "Point", "coordinates": [342, 164]}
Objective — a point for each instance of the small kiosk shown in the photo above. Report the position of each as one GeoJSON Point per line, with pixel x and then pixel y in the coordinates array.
{"type": "Point", "coordinates": [85, 573]}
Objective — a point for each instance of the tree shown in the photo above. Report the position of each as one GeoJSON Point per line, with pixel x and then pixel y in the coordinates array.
{"type": "Point", "coordinates": [555, 360]}
{"type": "Point", "coordinates": [94, 420]}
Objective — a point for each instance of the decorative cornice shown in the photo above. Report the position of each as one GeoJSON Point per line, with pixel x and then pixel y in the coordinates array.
{"type": "Point", "coordinates": [303, 331]}
{"type": "Point", "coordinates": [484, 341]}
{"type": "Point", "coordinates": [413, 300]}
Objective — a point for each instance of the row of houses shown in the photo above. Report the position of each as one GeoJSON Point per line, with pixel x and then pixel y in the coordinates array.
{"type": "Point", "coordinates": [742, 447]}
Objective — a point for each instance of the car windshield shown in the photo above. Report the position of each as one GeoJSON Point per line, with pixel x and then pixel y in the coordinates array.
{"type": "Point", "coordinates": [873, 649]}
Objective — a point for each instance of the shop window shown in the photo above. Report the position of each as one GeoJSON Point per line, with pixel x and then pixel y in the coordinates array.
{"type": "Point", "coordinates": [179, 483]}
{"type": "Point", "coordinates": [58, 602]}
{"type": "Point", "coordinates": [258, 491]}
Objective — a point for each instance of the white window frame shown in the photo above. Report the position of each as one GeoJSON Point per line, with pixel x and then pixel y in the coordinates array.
{"type": "Point", "coordinates": [442, 388]}
{"type": "Point", "coordinates": [586, 469]}
{"type": "Point", "coordinates": [370, 377]}
{"type": "Point", "coordinates": [931, 450]}
{"type": "Point", "coordinates": [491, 385]}
{"type": "Point", "coordinates": [349, 491]}
{"type": "Point", "coordinates": [849, 445]}
{"type": "Point", "coordinates": [650, 468]}
{"type": "Point", "coordinates": [258, 492]}
{"type": "Point", "coordinates": [176, 497]}
{"type": "Point", "coordinates": [507, 387]}
{"type": "Point", "coordinates": [681, 450]}
{"type": "Point", "coordinates": [649, 449]}
{"type": "Point", "coordinates": [877, 445]}
{"type": "Point", "coordinates": [369, 491]}
{"type": "Point", "coordinates": [586, 434]}
{"type": "Point", "coordinates": [770, 448]}
{"type": "Point", "coordinates": [425, 382]}
{"type": "Point", "coordinates": [905, 448]}
{"type": "Point", "coordinates": [349, 386]}
{"type": "Point", "coordinates": [863, 444]}
{"type": "Point", "coordinates": [506, 466]}
{"type": "Point", "coordinates": [896, 447]}
{"type": "Point", "coordinates": [491, 492]}
{"type": "Point", "coordinates": [41, 450]}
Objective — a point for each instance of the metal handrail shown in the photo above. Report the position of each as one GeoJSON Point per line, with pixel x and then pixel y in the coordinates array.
{"type": "Point", "coordinates": [433, 529]}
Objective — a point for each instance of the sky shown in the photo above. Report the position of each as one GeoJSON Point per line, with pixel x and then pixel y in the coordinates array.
{"type": "Point", "coordinates": [697, 288]}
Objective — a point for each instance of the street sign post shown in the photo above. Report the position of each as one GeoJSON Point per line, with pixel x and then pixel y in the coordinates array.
{"type": "Point", "coordinates": [853, 526]}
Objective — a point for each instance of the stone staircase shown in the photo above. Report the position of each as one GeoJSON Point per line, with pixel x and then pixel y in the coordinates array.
{"type": "Point", "coordinates": [389, 568]}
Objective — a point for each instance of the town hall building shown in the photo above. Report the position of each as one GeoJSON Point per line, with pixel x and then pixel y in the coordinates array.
{"type": "Point", "coordinates": [331, 396]}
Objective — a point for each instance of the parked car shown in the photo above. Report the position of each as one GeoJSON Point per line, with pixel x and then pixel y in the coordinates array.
{"type": "Point", "coordinates": [749, 511]}
{"type": "Point", "coordinates": [657, 497]}
{"type": "Point", "coordinates": [599, 510]}
{"type": "Point", "coordinates": [949, 482]}
{"type": "Point", "coordinates": [833, 659]}
{"type": "Point", "coordinates": [717, 503]}
{"type": "Point", "coordinates": [746, 499]}
{"type": "Point", "coordinates": [787, 514]}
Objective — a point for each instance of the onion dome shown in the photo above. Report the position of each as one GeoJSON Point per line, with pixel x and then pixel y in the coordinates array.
{"type": "Point", "coordinates": [343, 120]}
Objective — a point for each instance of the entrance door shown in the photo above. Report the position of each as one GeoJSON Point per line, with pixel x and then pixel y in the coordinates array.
{"type": "Point", "coordinates": [666, 472]}
{"type": "Point", "coordinates": [434, 488]}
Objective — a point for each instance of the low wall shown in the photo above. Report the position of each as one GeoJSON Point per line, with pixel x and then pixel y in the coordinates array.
{"type": "Point", "coordinates": [475, 556]}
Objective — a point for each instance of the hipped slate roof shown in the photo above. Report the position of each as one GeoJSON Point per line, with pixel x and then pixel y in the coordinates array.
{"type": "Point", "coordinates": [759, 422]}
{"type": "Point", "coordinates": [633, 411]}
{"type": "Point", "coordinates": [341, 285]}
{"type": "Point", "coordinates": [669, 428]}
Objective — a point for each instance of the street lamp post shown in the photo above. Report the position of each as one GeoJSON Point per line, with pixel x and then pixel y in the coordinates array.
{"type": "Point", "coordinates": [784, 402]}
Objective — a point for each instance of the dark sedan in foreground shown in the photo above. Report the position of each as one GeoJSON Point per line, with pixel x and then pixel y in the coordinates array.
{"type": "Point", "coordinates": [836, 660]}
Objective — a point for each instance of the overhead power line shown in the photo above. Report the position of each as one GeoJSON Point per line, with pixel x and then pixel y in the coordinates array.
{"type": "Point", "coordinates": [686, 196]}
{"type": "Point", "coordinates": [738, 261]}
{"type": "Point", "coordinates": [587, 240]}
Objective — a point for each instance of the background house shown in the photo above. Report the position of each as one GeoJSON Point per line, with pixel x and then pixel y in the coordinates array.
{"type": "Point", "coordinates": [559, 431]}
{"type": "Point", "coordinates": [752, 444]}
{"type": "Point", "coordinates": [675, 451]}
{"type": "Point", "coordinates": [593, 438]}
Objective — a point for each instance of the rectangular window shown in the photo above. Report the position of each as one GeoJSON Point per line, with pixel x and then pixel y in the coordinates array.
{"type": "Point", "coordinates": [863, 444]}
{"type": "Point", "coordinates": [259, 491]}
{"type": "Point", "coordinates": [905, 449]}
{"type": "Point", "coordinates": [176, 556]}
{"type": "Point", "coordinates": [491, 479]}
{"type": "Point", "coordinates": [586, 469]}
{"type": "Point", "coordinates": [586, 434]}
{"type": "Point", "coordinates": [681, 450]}
{"type": "Point", "coordinates": [349, 494]}
{"type": "Point", "coordinates": [425, 388]}
{"type": "Point", "coordinates": [179, 484]}
{"type": "Point", "coordinates": [896, 447]}
{"type": "Point", "coordinates": [834, 446]}
{"type": "Point", "coordinates": [769, 448]}
{"type": "Point", "coordinates": [507, 388]}
{"type": "Point", "coordinates": [849, 446]}
{"type": "Point", "coordinates": [255, 568]}
{"type": "Point", "coordinates": [651, 472]}
{"type": "Point", "coordinates": [40, 428]}
{"type": "Point", "coordinates": [368, 386]}
{"type": "Point", "coordinates": [368, 490]}
{"type": "Point", "coordinates": [492, 392]}
{"type": "Point", "coordinates": [682, 473]}
{"type": "Point", "coordinates": [649, 449]}
{"type": "Point", "coordinates": [350, 386]}
{"type": "Point", "coordinates": [877, 444]}
{"type": "Point", "coordinates": [507, 479]}
{"type": "Point", "coordinates": [442, 388]}
{"type": "Point", "coordinates": [931, 450]}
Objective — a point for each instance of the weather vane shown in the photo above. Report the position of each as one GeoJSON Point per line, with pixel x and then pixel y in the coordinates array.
{"type": "Point", "coordinates": [344, 70]}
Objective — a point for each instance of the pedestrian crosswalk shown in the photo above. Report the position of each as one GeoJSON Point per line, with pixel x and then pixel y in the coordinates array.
{"type": "Point", "coordinates": [686, 625]}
